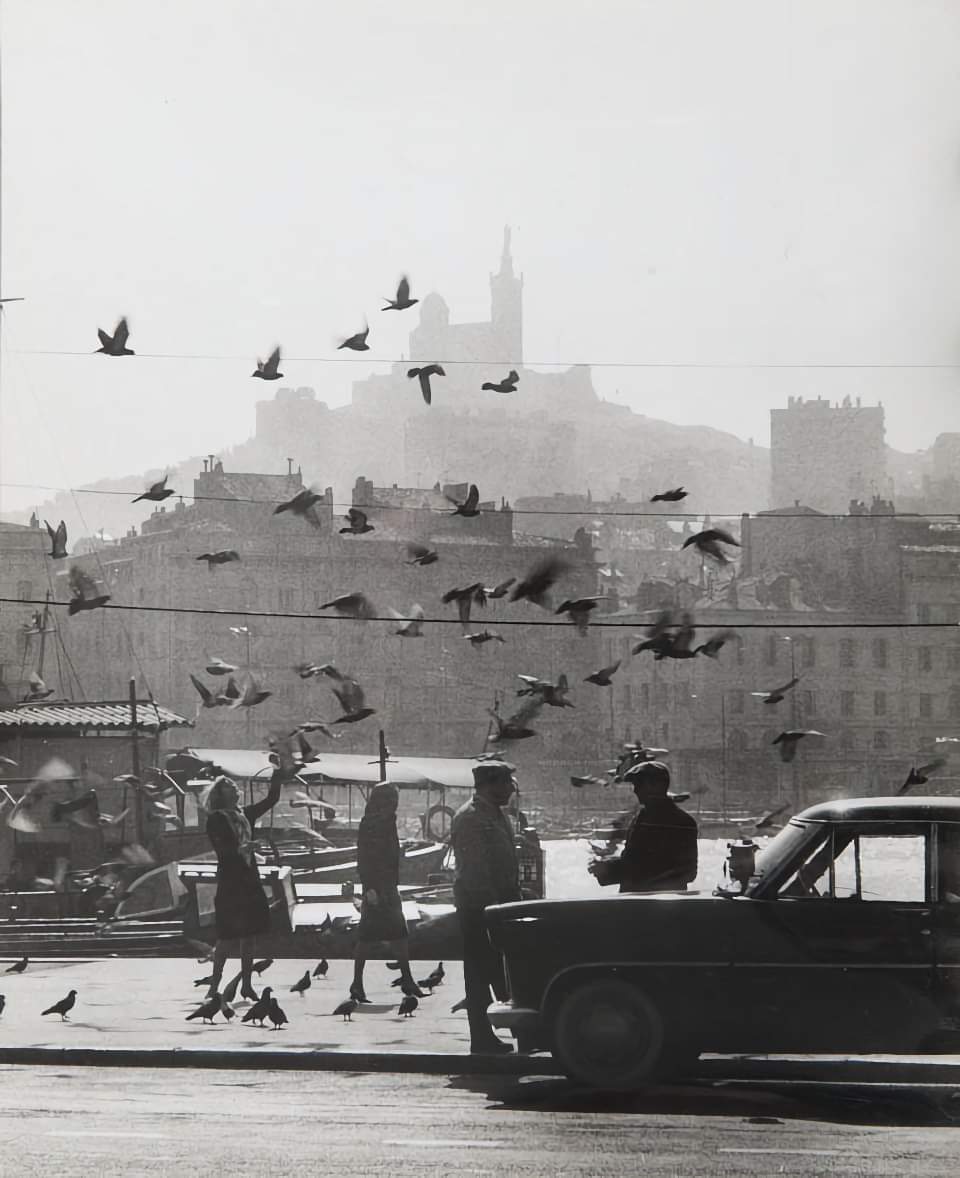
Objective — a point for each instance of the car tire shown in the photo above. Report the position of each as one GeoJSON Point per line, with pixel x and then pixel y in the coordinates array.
{"type": "Point", "coordinates": [607, 1033]}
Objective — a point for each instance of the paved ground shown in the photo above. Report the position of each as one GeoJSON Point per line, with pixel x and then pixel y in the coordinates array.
{"type": "Point", "coordinates": [78, 1122]}
{"type": "Point", "coordinates": [144, 1002]}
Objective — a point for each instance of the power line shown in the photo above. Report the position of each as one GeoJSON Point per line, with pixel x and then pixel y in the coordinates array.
{"type": "Point", "coordinates": [500, 363]}
{"type": "Point", "coordinates": [481, 624]}
{"type": "Point", "coordinates": [371, 508]}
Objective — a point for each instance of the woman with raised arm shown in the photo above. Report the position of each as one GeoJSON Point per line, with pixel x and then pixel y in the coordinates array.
{"type": "Point", "coordinates": [241, 905]}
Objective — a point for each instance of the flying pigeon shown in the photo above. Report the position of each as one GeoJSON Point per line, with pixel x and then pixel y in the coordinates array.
{"type": "Point", "coordinates": [350, 695]}
{"type": "Point", "coordinates": [712, 647]}
{"type": "Point", "coordinates": [403, 299]}
{"type": "Point", "coordinates": [788, 741]}
{"type": "Point", "coordinates": [500, 589]}
{"type": "Point", "coordinates": [207, 698]}
{"type": "Point", "coordinates": [554, 695]}
{"type": "Point", "coordinates": [658, 639]}
{"type": "Point", "coordinates": [310, 670]}
{"type": "Point", "coordinates": [63, 1007]}
{"type": "Point", "coordinates": [421, 554]}
{"type": "Point", "coordinates": [301, 503]}
{"type": "Point", "coordinates": [84, 591]}
{"type": "Point", "coordinates": [413, 625]}
{"type": "Point", "coordinates": [259, 966]}
{"type": "Point", "coordinates": [603, 677]}
{"type": "Point", "coordinates": [579, 610]}
{"type": "Point", "coordinates": [536, 585]}
{"type": "Point", "coordinates": [920, 776]}
{"type": "Point", "coordinates": [357, 343]}
{"type": "Point", "coordinates": [157, 492]}
{"type": "Point", "coordinates": [352, 605]}
{"type": "Point", "coordinates": [465, 599]}
{"type": "Point", "coordinates": [673, 496]}
{"type": "Point", "coordinates": [356, 523]}
{"type": "Point", "coordinates": [208, 1010]}
{"type": "Point", "coordinates": [423, 375]}
{"type": "Point", "coordinates": [708, 543]}
{"type": "Point", "coordinates": [477, 639]}
{"type": "Point", "coordinates": [58, 540]}
{"type": "Point", "coordinates": [38, 689]}
{"type": "Point", "coordinates": [269, 370]}
{"type": "Point", "coordinates": [116, 344]}
{"type": "Point", "coordinates": [777, 693]}
{"type": "Point", "coordinates": [515, 726]}
{"type": "Point", "coordinates": [468, 508]}
{"type": "Point", "coordinates": [507, 385]}
{"type": "Point", "coordinates": [223, 557]}
{"type": "Point", "coordinates": [589, 779]}
{"type": "Point", "coordinates": [250, 695]}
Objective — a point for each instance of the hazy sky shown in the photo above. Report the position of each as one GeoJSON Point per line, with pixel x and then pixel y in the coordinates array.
{"type": "Point", "coordinates": [700, 182]}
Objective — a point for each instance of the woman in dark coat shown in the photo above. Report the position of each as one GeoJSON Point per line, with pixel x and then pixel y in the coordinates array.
{"type": "Point", "coordinates": [241, 906]}
{"type": "Point", "coordinates": [378, 865]}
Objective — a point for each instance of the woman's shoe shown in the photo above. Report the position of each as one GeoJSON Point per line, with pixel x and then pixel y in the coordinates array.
{"type": "Point", "coordinates": [249, 992]}
{"type": "Point", "coordinates": [358, 994]}
{"type": "Point", "coordinates": [491, 1046]}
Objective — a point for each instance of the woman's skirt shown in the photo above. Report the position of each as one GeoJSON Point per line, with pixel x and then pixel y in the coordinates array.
{"type": "Point", "coordinates": [382, 921]}
{"type": "Point", "coordinates": [241, 905]}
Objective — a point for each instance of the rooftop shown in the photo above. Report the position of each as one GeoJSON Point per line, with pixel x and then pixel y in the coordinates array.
{"type": "Point", "coordinates": [81, 717]}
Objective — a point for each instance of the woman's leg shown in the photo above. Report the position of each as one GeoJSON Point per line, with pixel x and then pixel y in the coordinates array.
{"type": "Point", "coordinates": [359, 961]}
{"type": "Point", "coordinates": [220, 954]}
{"type": "Point", "coordinates": [246, 969]}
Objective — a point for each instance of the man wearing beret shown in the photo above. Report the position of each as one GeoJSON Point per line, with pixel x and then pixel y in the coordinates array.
{"type": "Point", "coordinates": [660, 852]}
{"type": "Point", "coordinates": [487, 873]}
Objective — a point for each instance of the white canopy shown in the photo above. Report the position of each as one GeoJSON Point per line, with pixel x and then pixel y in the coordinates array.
{"type": "Point", "coordinates": [405, 772]}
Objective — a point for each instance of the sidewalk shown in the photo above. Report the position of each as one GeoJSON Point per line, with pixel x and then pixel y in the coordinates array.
{"type": "Point", "coordinates": [132, 1012]}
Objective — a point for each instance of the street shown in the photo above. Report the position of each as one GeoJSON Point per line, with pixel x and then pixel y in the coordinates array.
{"type": "Point", "coordinates": [133, 1121]}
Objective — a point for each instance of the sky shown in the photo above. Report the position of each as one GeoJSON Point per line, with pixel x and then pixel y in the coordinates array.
{"type": "Point", "coordinates": [710, 200]}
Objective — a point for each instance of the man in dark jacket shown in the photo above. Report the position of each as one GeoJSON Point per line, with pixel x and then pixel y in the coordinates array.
{"type": "Point", "coordinates": [487, 873]}
{"type": "Point", "coordinates": [660, 852]}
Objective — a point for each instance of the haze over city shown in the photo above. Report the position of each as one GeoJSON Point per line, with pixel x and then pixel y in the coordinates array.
{"type": "Point", "coordinates": [720, 187]}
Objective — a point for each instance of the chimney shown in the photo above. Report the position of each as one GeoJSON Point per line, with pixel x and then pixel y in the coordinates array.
{"type": "Point", "coordinates": [204, 466]}
{"type": "Point", "coordinates": [289, 467]}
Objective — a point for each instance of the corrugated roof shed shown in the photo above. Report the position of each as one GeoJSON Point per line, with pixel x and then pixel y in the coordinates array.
{"type": "Point", "coordinates": [81, 717]}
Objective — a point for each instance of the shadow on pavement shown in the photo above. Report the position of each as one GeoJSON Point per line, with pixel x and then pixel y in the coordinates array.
{"type": "Point", "coordinates": [767, 1103]}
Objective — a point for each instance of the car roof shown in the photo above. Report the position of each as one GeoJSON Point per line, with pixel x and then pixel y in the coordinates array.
{"type": "Point", "coordinates": [906, 809]}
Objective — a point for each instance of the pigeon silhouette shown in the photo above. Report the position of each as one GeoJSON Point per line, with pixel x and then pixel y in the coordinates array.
{"type": "Point", "coordinates": [481, 636]}
{"type": "Point", "coordinates": [403, 299]}
{"type": "Point", "coordinates": [321, 970]}
{"type": "Point", "coordinates": [788, 741]}
{"type": "Point", "coordinates": [218, 666]}
{"type": "Point", "coordinates": [269, 369]}
{"type": "Point", "coordinates": [350, 694]}
{"type": "Point", "coordinates": [157, 492]}
{"type": "Point", "coordinates": [554, 695]}
{"type": "Point", "coordinates": [346, 1009]}
{"type": "Point", "coordinates": [357, 343]}
{"type": "Point", "coordinates": [536, 585]}
{"type": "Point", "coordinates": [276, 1015]}
{"type": "Point", "coordinates": [63, 1007]}
{"type": "Point", "coordinates": [715, 643]}
{"type": "Point", "coordinates": [468, 508]}
{"type": "Point", "coordinates": [356, 523]}
{"type": "Point", "coordinates": [116, 344]}
{"type": "Point", "coordinates": [500, 589]}
{"type": "Point", "coordinates": [413, 625]}
{"type": "Point", "coordinates": [230, 989]}
{"type": "Point", "coordinates": [301, 504]}
{"type": "Point", "coordinates": [579, 610]}
{"type": "Point", "coordinates": [38, 689]}
{"type": "Point", "coordinates": [18, 966]}
{"type": "Point", "coordinates": [223, 557]}
{"type": "Point", "coordinates": [423, 375]}
{"type": "Point", "coordinates": [465, 599]}
{"type": "Point", "coordinates": [58, 540]}
{"type": "Point", "coordinates": [775, 695]}
{"type": "Point", "coordinates": [258, 1012]}
{"type": "Point", "coordinates": [920, 776]}
{"type": "Point", "coordinates": [507, 385]}
{"type": "Point", "coordinates": [408, 1005]}
{"type": "Point", "coordinates": [259, 966]}
{"type": "Point", "coordinates": [85, 595]}
{"type": "Point", "coordinates": [603, 677]}
{"type": "Point", "coordinates": [302, 986]}
{"type": "Point", "coordinates": [352, 605]}
{"type": "Point", "coordinates": [421, 554]}
{"type": "Point", "coordinates": [579, 782]}
{"type": "Point", "coordinates": [708, 543]}
{"type": "Point", "coordinates": [673, 496]}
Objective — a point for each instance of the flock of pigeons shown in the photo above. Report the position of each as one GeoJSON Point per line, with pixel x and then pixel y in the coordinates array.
{"type": "Point", "coordinates": [265, 1007]}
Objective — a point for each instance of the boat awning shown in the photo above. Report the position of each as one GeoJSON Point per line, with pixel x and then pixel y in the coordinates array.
{"type": "Point", "coordinates": [352, 768]}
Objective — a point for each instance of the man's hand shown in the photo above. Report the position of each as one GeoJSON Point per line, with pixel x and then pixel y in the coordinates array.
{"type": "Point", "coordinates": [604, 871]}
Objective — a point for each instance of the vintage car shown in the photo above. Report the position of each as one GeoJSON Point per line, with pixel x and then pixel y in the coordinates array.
{"type": "Point", "coordinates": [842, 936]}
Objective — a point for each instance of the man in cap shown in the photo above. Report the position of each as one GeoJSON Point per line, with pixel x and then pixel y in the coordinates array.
{"type": "Point", "coordinates": [660, 852]}
{"type": "Point", "coordinates": [487, 873]}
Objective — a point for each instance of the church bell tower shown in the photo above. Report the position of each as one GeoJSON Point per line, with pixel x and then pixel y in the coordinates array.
{"type": "Point", "coordinates": [506, 309]}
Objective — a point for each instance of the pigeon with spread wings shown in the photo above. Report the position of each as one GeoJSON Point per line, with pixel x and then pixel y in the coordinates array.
{"type": "Point", "coordinates": [269, 369]}
{"type": "Point", "coordinates": [116, 344]}
{"type": "Point", "coordinates": [536, 585]}
{"type": "Point", "coordinates": [84, 589]}
{"type": "Point", "coordinates": [58, 540]}
{"type": "Point", "coordinates": [403, 299]}
{"type": "Point", "coordinates": [356, 523]}
{"type": "Point", "coordinates": [469, 507]}
{"type": "Point", "coordinates": [350, 694]}
{"type": "Point", "coordinates": [423, 375]}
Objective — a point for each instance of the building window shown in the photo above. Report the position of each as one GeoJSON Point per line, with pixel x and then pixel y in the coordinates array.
{"type": "Point", "coordinates": [879, 703]}
{"type": "Point", "coordinates": [808, 703]}
{"type": "Point", "coordinates": [880, 653]}
{"type": "Point", "coordinates": [925, 656]}
{"type": "Point", "coordinates": [953, 658]}
{"type": "Point", "coordinates": [848, 740]}
{"type": "Point", "coordinates": [627, 696]}
{"type": "Point", "coordinates": [739, 645]}
{"type": "Point", "coordinates": [736, 702]}
{"type": "Point", "coordinates": [738, 740]}
{"type": "Point", "coordinates": [808, 652]}
{"type": "Point", "coordinates": [288, 598]}
{"type": "Point", "coordinates": [926, 707]}
{"type": "Point", "coordinates": [24, 590]}
{"type": "Point", "coordinates": [846, 703]}
{"type": "Point", "coordinates": [771, 650]}
{"type": "Point", "coordinates": [923, 613]}
{"type": "Point", "coordinates": [881, 739]}
{"type": "Point", "coordinates": [848, 652]}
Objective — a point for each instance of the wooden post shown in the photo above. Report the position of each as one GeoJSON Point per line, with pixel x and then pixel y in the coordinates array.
{"type": "Point", "coordinates": [384, 751]}
{"type": "Point", "coordinates": [135, 764]}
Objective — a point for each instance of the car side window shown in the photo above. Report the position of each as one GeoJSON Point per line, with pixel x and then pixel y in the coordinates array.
{"type": "Point", "coordinates": [869, 867]}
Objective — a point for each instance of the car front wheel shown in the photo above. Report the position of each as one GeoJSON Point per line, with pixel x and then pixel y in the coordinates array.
{"type": "Point", "coordinates": [608, 1034]}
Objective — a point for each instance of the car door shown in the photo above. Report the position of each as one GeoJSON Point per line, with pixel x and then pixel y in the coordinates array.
{"type": "Point", "coordinates": [947, 919]}
{"type": "Point", "coordinates": [841, 959]}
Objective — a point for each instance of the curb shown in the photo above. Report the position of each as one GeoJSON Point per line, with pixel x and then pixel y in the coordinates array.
{"type": "Point", "coordinates": [427, 1063]}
